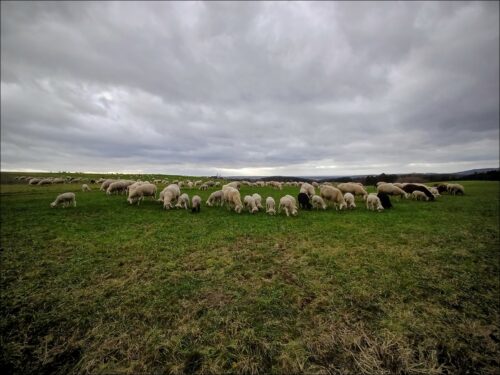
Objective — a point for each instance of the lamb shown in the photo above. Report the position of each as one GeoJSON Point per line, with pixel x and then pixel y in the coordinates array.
{"type": "Point", "coordinates": [385, 200]}
{"type": "Point", "coordinates": [196, 204]}
{"type": "Point", "coordinates": [233, 198]}
{"type": "Point", "coordinates": [304, 203]}
{"type": "Point", "coordinates": [169, 194]}
{"type": "Point", "coordinates": [141, 191]}
{"type": "Point", "coordinates": [353, 188]}
{"type": "Point", "coordinates": [86, 187]}
{"type": "Point", "coordinates": [455, 189]}
{"type": "Point", "coordinates": [410, 188]}
{"type": "Point", "coordinates": [258, 201]}
{"type": "Point", "coordinates": [373, 203]}
{"type": "Point", "coordinates": [419, 195]}
{"type": "Point", "coordinates": [270, 206]}
{"type": "Point", "coordinates": [249, 203]}
{"type": "Point", "coordinates": [65, 199]}
{"type": "Point", "coordinates": [390, 189]}
{"type": "Point", "coordinates": [334, 195]}
{"type": "Point", "coordinates": [288, 204]}
{"type": "Point", "coordinates": [215, 197]}
{"type": "Point", "coordinates": [349, 200]}
{"type": "Point", "coordinates": [183, 201]}
{"type": "Point", "coordinates": [307, 189]}
{"type": "Point", "coordinates": [318, 202]}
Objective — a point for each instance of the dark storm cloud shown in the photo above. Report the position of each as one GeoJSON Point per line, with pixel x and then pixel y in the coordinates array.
{"type": "Point", "coordinates": [252, 87]}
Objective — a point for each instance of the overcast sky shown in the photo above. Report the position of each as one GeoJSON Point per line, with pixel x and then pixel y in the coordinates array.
{"type": "Point", "coordinates": [250, 88]}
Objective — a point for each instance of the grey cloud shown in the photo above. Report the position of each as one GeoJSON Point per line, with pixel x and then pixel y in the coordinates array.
{"type": "Point", "coordinates": [267, 86]}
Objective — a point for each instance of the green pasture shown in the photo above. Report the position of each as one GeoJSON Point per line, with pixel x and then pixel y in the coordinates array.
{"type": "Point", "coordinates": [110, 288]}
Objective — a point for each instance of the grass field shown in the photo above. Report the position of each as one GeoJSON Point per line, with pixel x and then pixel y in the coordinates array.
{"type": "Point", "coordinates": [109, 288]}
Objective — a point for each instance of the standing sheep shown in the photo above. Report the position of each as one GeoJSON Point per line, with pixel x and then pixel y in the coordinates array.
{"type": "Point", "coordinates": [349, 200]}
{"type": "Point", "coordinates": [65, 199]}
{"type": "Point", "coordinates": [270, 206]}
{"type": "Point", "coordinates": [334, 195]}
{"type": "Point", "coordinates": [215, 197]}
{"type": "Point", "coordinates": [318, 202]}
{"type": "Point", "coordinates": [196, 204]}
{"type": "Point", "coordinates": [353, 188]}
{"type": "Point", "coordinates": [183, 201]}
{"type": "Point", "coordinates": [307, 189]}
{"type": "Point", "coordinates": [288, 204]}
{"type": "Point", "coordinates": [373, 203]}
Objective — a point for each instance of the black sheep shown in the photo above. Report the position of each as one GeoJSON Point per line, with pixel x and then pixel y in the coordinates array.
{"type": "Point", "coordinates": [442, 188]}
{"type": "Point", "coordinates": [384, 199]}
{"type": "Point", "coordinates": [410, 188]}
{"type": "Point", "coordinates": [304, 201]}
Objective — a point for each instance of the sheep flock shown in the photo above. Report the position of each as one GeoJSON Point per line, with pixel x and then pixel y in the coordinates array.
{"type": "Point", "coordinates": [309, 196]}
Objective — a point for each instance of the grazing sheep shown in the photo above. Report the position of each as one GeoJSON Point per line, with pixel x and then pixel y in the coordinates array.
{"type": "Point", "coordinates": [270, 206]}
{"type": "Point", "coordinates": [34, 181]}
{"type": "Point", "coordinates": [168, 195]}
{"type": "Point", "coordinates": [65, 199]}
{"type": "Point", "coordinates": [307, 189]}
{"type": "Point", "coordinates": [288, 204]}
{"type": "Point", "coordinates": [139, 192]}
{"type": "Point", "coordinates": [385, 200]}
{"type": "Point", "coordinates": [196, 183]}
{"type": "Point", "coordinates": [334, 195]}
{"type": "Point", "coordinates": [353, 188]}
{"type": "Point", "coordinates": [442, 188]}
{"type": "Point", "coordinates": [315, 184]}
{"type": "Point", "coordinates": [455, 189]}
{"type": "Point", "coordinates": [380, 183]}
{"type": "Point", "coordinates": [119, 186]}
{"type": "Point", "coordinates": [390, 189]}
{"type": "Point", "coordinates": [233, 198]}
{"type": "Point", "coordinates": [419, 195]}
{"type": "Point", "coordinates": [196, 204]}
{"type": "Point", "coordinates": [249, 203]}
{"type": "Point", "coordinates": [276, 184]}
{"type": "Point", "coordinates": [45, 181]}
{"type": "Point", "coordinates": [318, 202]}
{"type": "Point", "coordinates": [106, 183]}
{"type": "Point", "coordinates": [349, 200]}
{"type": "Point", "coordinates": [373, 202]}
{"type": "Point", "coordinates": [304, 203]}
{"type": "Point", "coordinates": [183, 201]}
{"type": "Point", "coordinates": [203, 187]}
{"type": "Point", "coordinates": [410, 188]}
{"type": "Point", "coordinates": [234, 184]}
{"type": "Point", "coordinates": [215, 197]}
{"type": "Point", "coordinates": [86, 187]}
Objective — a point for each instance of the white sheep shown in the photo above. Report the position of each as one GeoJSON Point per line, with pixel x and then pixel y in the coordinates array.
{"type": "Point", "coordinates": [258, 201]}
{"type": "Point", "coordinates": [86, 187]}
{"type": "Point", "coordinates": [65, 199]}
{"type": "Point", "coordinates": [233, 198]}
{"type": "Point", "coordinates": [334, 195]}
{"type": "Point", "coordinates": [249, 203]}
{"type": "Point", "coordinates": [307, 189]}
{"type": "Point", "coordinates": [119, 186]}
{"type": "Point", "coordinates": [373, 202]}
{"type": "Point", "coordinates": [391, 189]}
{"type": "Point", "coordinates": [455, 189]}
{"type": "Point", "coordinates": [318, 202]}
{"type": "Point", "coordinates": [288, 204]}
{"type": "Point", "coordinates": [169, 195]}
{"type": "Point", "coordinates": [234, 184]}
{"type": "Point", "coordinates": [203, 187]}
{"type": "Point", "coordinates": [183, 201]}
{"type": "Point", "coordinates": [215, 197]}
{"type": "Point", "coordinates": [139, 192]}
{"type": "Point", "coordinates": [349, 200]}
{"type": "Point", "coordinates": [196, 203]}
{"type": "Point", "coordinates": [270, 206]}
{"type": "Point", "coordinates": [353, 188]}
{"type": "Point", "coordinates": [419, 195]}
